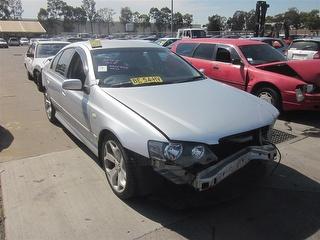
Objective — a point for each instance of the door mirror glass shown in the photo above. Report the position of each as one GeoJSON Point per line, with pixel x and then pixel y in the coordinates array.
{"type": "Point", "coordinates": [72, 84]}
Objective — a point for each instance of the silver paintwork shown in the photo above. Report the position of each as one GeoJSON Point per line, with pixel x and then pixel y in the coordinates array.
{"type": "Point", "coordinates": [200, 111]}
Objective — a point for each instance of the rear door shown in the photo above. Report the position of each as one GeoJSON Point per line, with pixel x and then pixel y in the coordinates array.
{"type": "Point", "coordinates": [186, 50]}
{"type": "Point", "coordinates": [226, 67]}
{"type": "Point", "coordinates": [203, 57]}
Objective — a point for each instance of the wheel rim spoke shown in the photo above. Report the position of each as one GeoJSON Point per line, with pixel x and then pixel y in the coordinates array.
{"type": "Point", "coordinates": [114, 165]}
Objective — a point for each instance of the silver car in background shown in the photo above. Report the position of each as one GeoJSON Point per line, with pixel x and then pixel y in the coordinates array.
{"type": "Point", "coordinates": [144, 111]}
{"type": "Point", "coordinates": [301, 49]}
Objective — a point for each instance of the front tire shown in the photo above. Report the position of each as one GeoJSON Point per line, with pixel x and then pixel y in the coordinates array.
{"type": "Point", "coordinates": [29, 76]}
{"type": "Point", "coordinates": [270, 95]}
{"type": "Point", "coordinates": [120, 172]}
{"type": "Point", "coordinates": [50, 110]}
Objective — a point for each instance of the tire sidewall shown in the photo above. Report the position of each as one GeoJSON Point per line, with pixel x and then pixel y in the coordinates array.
{"type": "Point", "coordinates": [130, 188]}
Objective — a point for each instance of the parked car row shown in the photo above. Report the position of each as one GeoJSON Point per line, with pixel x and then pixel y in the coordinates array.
{"type": "Point", "coordinates": [126, 101]}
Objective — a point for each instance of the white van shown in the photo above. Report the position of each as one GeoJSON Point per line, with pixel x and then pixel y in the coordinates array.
{"type": "Point", "coordinates": [191, 33]}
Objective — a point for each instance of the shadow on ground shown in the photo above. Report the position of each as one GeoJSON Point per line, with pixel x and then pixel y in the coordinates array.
{"type": "Point", "coordinates": [6, 138]}
{"type": "Point", "coordinates": [308, 118]}
{"type": "Point", "coordinates": [284, 205]}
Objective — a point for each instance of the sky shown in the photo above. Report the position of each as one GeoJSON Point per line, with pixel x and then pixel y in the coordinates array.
{"type": "Point", "coordinates": [200, 9]}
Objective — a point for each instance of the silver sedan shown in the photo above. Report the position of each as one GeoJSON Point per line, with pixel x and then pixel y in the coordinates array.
{"type": "Point", "coordinates": [144, 111]}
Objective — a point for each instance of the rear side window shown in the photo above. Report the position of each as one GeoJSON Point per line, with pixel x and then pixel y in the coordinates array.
{"type": "Point", "coordinates": [64, 61]}
{"type": "Point", "coordinates": [204, 51]}
{"type": "Point", "coordinates": [305, 45]}
{"type": "Point", "coordinates": [186, 49]}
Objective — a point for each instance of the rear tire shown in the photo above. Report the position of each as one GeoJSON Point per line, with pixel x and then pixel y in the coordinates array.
{"type": "Point", "coordinates": [270, 95]}
{"type": "Point", "coordinates": [29, 76]}
{"type": "Point", "coordinates": [38, 81]}
{"type": "Point", "coordinates": [49, 108]}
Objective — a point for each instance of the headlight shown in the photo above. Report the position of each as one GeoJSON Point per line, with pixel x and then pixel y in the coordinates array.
{"type": "Point", "coordinates": [302, 90]}
{"type": "Point", "coordinates": [184, 153]}
{"type": "Point", "coordinates": [310, 88]}
{"type": "Point", "coordinates": [299, 95]}
{"type": "Point", "coordinates": [173, 151]}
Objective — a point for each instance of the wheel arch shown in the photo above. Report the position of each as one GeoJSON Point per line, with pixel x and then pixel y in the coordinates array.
{"type": "Point", "coordinates": [263, 84]}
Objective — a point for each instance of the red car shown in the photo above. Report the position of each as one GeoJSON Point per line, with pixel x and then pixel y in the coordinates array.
{"type": "Point", "coordinates": [257, 68]}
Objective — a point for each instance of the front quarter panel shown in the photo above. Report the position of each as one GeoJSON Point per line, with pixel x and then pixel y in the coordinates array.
{"type": "Point", "coordinates": [107, 113]}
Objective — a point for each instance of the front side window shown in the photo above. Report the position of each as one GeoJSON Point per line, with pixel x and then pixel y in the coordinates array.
{"type": "Point", "coordinates": [261, 54]}
{"type": "Point", "coordinates": [76, 70]}
{"type": "Point", "coordinates": [55, 61]}
{"type": "Point", "coordinates": [48, 50]}
{"type": "Point", "coordinates": [186, 49]}
{"type": "Point", "coordinates": [204, 51]}
{"type": "Point", "coordinates": [141, 67]}
{"type": "Point", "coordinates": [63, 62]}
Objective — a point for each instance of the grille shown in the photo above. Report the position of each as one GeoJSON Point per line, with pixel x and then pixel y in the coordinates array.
{"type": "Point", "coordinates": [278, 136]}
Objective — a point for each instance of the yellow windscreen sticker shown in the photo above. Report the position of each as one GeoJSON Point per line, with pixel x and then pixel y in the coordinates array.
{"type": "Point", "coordinates": [146, 80]}
{"type": "Point", "coordinates": [95, 43]}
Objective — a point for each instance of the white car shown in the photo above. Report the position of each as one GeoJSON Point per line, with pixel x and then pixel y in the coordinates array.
{"type": "Point", "coordinates": [302, 49]}
{"type": "Point", "coordinates": [143, 110]}
{"type": "Point", "coordinates": [3, 43]}
{"type": "Point", "coordinates": [37, 55]}
{"type": "Point", "coordinates": [24, 41]}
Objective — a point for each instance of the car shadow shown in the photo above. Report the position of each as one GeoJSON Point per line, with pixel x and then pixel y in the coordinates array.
{"type": "Point", "coordinates": [281, 205]}
{"type": "Point", "coordinates": [284, 205]}
{"type": "Point", "coordinates": [6, 138]}
{"type": "Point", "coordinates": [309, 118]}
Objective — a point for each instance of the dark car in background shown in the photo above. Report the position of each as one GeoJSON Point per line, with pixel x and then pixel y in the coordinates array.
{"type": "Point", "coordinates": [13, 41]}
{"type": "Point", "coordinates": [3, 43]}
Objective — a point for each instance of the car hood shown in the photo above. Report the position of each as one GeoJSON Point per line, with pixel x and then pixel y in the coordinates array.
{"type": "Point", "coordinates": [306, 70]}
{"type": "Point", "coordinates": [200, 111]}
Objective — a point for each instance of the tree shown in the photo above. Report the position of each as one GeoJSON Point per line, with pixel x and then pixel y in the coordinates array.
{"type": "Point", "coordinates": [126, 15]}
{"type": "Point", "coordinates": [4, 10]}
{"type": "Point", "coordinates": [89, 6]}
{"type": "Point", "coordinates": [187, 20]}
{"type": "Point", "coordinates": [293, 17]}
{"type": "Point", "coordinates": [15, 8]}
{"type": "Point", "coordinates": [238, 20]}
{"type": "Point", "coordinates": [80, 16]}
{"type": "Point", "coordinates": [55, 9]}
{"type": "Point", "coordinates": [155, 16]}
{"type": "Point", "coordinates": [106, 15]}
{"type": "Point", "coordinates": [250, 20]}
{"type": "Point", "coordinates": [166, 17]}
{"type": "Point", "coordinates": [68, 18]}
{"type": "Point", "coordinates": [144, 21]}
{"type": "Point", "coordinates": [216, 23]}
{"type": "Point", "coordinates": [135, 18]}
{"type": "Point", "coordinates": [177, 21]}
{"type": "Point", "coordinates": [311, 20]}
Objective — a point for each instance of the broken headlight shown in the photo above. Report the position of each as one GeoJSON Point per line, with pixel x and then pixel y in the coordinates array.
{"type": "Point", "coordinates": [181, 153]}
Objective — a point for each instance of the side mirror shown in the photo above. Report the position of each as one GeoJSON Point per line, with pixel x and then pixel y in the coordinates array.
{"type": "Point", "coordinates": [237, 61]}
{"type": "Point", "coordinates": [30, 55]}
{"type": "Point", "coordinates": [72, 84]}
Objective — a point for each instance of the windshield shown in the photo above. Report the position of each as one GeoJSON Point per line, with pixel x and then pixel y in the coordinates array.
{"type": "Point", "coordinates": [261, 54]}
{"type": "Point", "coordinates": [48, 50]}
{"type": "Point", "coordinates": [136, 67]}
{"type": "Point", "coordinates": [198, 33]}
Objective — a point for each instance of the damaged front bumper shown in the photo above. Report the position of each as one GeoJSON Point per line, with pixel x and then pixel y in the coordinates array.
{"type": "Point", "coordinates": [214, 174]}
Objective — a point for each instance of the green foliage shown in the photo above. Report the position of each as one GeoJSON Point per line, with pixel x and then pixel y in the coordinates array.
{"type": "Point", "coordinates": [126, 15]}
{"type": "Point", "coordinates": [216, 23]}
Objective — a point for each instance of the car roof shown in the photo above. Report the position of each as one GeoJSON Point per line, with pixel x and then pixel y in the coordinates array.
{"type": "Point", "coordinates": [264, 38]}
{"type": "Point", "coordinates": [307, 40]}
{"type": "Point", "coordinates": [51, 42]}
{"type": "Point", "coordinates": [231, 41]}
{"type": "Point", "coordinates": [109, 44]}
{"type": "Point", "coordinates": [167, 38]}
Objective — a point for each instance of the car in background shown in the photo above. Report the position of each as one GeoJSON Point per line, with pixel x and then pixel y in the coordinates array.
{"type": "Point", "coordinates": [165, 42]}
{"type": "Point", "coordinates": [257, 68]}
{"type": "Point", "coordinates": [13, 41]}
{"type": "Point", "coordinates": [191, 33]}
{"type": "Point", "coordinates": [277, 43]}
{"type": "Point", "coordinates": [304, 49]}
{"type": "Point", "coordinates": [33, 40]}
{"type": "Point", "coordinates": [126, 101]}
{"type": "Point", "coordinates": [24, 41]}
{"type": "Point", "coordinates": [37, 55]}
{"type": "Point", "coordinates": [3, 43]}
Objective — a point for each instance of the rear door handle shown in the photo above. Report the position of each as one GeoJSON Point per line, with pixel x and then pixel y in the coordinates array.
{"type": "Point", "coordinates": [216, 67]}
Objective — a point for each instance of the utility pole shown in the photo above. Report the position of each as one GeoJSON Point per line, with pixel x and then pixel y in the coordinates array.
{"type": "Point", "coordinates": [171, 18]}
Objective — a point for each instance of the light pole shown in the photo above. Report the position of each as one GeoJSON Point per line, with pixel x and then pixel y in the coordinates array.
{"type": "Point", "coordinates": [171, 18]}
